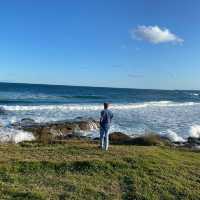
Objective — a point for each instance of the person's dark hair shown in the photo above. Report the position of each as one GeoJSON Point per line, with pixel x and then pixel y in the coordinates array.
{"type": "Point", "coordinates": [106, 105]}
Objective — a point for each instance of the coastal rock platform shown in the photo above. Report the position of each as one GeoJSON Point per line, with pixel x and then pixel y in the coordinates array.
{"type": "Point", "coordinates": [57, 130]}
{"type": "Point", "coordinates": [78, 128]}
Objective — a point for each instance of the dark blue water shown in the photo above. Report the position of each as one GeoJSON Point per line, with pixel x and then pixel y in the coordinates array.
{"type": "Point", "coordinates": [136, 111]}
{"type": "Point", "coordinates": [24, 94]}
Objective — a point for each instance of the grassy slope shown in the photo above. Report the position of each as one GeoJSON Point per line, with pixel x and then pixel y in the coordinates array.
{"type": "Point", "coordinates": [79, 170]}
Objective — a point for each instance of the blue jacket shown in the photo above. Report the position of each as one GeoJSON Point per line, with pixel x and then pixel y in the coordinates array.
{"type": "Point", "coordinates": [106, 118]}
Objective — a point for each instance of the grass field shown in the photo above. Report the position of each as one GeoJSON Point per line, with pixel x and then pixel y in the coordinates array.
{"type": "Point", "coordinates": [77, 169]}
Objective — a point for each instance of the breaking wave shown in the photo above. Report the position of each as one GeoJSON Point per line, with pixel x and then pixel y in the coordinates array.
{"type": "Point", "coordinates": [173, 136]}
{"type": "Point", "coordinates": [97, 106]}
{"type": "Point", "coordinates": [14, 136]}
{"type": "Point", "coordinates": [175, 120]}
{"type": "Point", "coordinates": [195, 131]}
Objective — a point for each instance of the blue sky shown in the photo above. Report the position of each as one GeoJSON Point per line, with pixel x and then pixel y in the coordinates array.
{"type": "Point", "coordinates": [114, 43]}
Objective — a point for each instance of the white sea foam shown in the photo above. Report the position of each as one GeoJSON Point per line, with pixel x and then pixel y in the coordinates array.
{"type": "Point", "coordinates": [14, 136]}
{"type": "Point", "coordinates": [195, 131]}
{"type": "Point", "coordinates": [173, 136]}
{"type": "Point", "coordinates": [195, 94]}
{"type": "Point", "coordinates": [72, 107]}
{"type": "Point", "coordinates": [131, 118]}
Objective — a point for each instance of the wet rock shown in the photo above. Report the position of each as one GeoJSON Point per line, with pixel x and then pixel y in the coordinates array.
{"type": "Point", "coordinates": [119, 138]}
{"type": "Point", "coordinates": [87, 125]}
{"type": "Point", "coordinates": [148, 140]}
{"type": "Point", "coordinates": [57, 130]}
{"type": "Point", "coordinates": [194, 141]}
{"type": "Point", "coordinates": [79, 134]}
{"type": "Point", "coordinates": [83, 125]}
{"type": "Point", "coordinates": [190, 143]}
{"type": "Point", "coordinates": [2, 111]}
{"type": "Point", "coordinates": [24, 122]}
{"type": "Point", "coordinates": [27, 121]}
{"type": "Point", "coordinates": [197, 147]}
{"type": "Point", "coordinates": [179, 143]}
{"type": "Point", "coordinates": [79, 119]}
{"type": "Point", "coordinates": [143, 140]}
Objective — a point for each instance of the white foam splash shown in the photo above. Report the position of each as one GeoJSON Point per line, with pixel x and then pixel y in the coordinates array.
{"type": "Point", "coordinates": [171, 135]}
{"type": "Point", "coordinates": [128, 118]}
{"type": "Point", "coordinates": [195, 131]}
{"type": "Point", "coordinates": [72, 107]}
{"type": "Point", "coordinates": [93, 126]}
{"type": "Point", "coordinates": [195, 94]}
{"type": "Point", "coordinates": [14, 136]}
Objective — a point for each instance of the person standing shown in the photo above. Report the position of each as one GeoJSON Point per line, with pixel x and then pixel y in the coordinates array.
{"type": "Point", "coordinates": [105, 122]}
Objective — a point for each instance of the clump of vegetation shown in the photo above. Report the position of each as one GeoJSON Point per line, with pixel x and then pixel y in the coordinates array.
{"type": "Point", "coordinates": [78, 169]}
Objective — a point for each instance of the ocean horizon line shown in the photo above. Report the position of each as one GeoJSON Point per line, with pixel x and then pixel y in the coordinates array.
{"type": "Point", "coordinates": [87, 86]}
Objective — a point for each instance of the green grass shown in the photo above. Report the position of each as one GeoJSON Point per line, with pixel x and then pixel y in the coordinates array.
{"type": "Point", "coordinates": [77, 169]}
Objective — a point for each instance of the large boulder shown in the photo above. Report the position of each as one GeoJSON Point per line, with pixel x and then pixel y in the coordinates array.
{"type": "Point", "coordinates": [149, 140]}
{"type": "Point", "coordinates": [143, 140]}
{"type": "Point", "coordinates": [118, 138]}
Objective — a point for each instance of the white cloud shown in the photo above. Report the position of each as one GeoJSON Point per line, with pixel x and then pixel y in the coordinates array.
{"type": "Point", "coordinates": [155, 35]}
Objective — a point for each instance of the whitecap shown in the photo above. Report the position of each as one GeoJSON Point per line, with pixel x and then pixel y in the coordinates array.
{"type": "Point", "coordinates": [72, 107]}
{"type": "Point", "coordinates": [195, 94]}
{"type": "Point", "coordinates": [173, 136]}
{"type": "Point", "coordinates": [195, 131]}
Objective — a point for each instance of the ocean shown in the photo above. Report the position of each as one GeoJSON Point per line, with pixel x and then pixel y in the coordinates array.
{"type": "Point", "coordinates": [175, 113]}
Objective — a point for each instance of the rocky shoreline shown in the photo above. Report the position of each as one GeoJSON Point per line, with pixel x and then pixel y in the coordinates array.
{"type": "Point", "coordinates": [77, 128]}
{"type": "Point", "coordinates": [57, 130]}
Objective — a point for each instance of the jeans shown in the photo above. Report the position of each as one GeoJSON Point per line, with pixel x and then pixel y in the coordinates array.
{"type": "Point", "coordinates": [104, 137]}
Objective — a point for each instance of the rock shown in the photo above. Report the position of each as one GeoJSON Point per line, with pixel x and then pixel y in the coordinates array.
{"type": "Point", "coordinates": [196, 147]}
{"type": "Point", "coordinates": [83, 125]}
{"type": "Point", "coordinates": [191, 143]}
{"type": "Point", "coordinates": [118, 138]}
{"type": "Point", "coordinates": [27, 121]}
{"type": "Point", "coordinates": [79, 134]}
{"type": "Point", "coordinates": [87, 125]}
{"type": "Point", "coordinates": [57, 130]}
{"type": "Point", "coordinates": [2, 111]}
{"type": "Point", "coordinates": [179, 143]}
{"type": "Point", "coordinates": [194, 141]}
{"type": "Point", "coordinates": [78, 119]}
{"type": "Point", "coordinates": [24, 122]}
{"type": "Point", "coordinates": [144, 140]}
